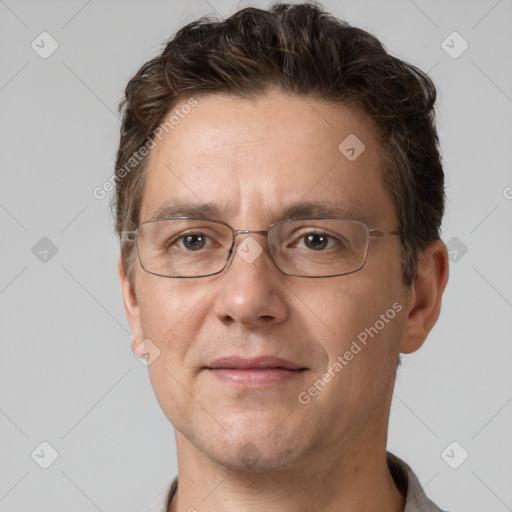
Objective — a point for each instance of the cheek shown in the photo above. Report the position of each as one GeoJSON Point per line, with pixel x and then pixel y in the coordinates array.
{"type": "Point", "coordinates": [167, 307]}
{"type": "Point", "coordinates": [363, 315]}
{"type": "Point", "coordinates": [363, 352]}
{"type": "Point", "coordinates": [171, 316]}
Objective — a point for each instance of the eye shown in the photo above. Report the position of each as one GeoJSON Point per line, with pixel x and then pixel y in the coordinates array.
{"type": "Point", "coordinates": [204, 241]}
{"type": "Point", "coordinates": [176, 238]}
{"type": "Point", "coordinates": [192, 241]}
{"type": "Point", "coordinates": [317, 241]}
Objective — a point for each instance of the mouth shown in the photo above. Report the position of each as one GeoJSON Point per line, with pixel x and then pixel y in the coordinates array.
{"type": "Point", "coordinates": [258, 372]}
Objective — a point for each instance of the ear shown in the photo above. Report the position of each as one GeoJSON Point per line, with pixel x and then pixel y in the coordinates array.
{"type": "Point", "coordinates": [131, 307]}
{"type": "Point", "coordinates": [424, 302]}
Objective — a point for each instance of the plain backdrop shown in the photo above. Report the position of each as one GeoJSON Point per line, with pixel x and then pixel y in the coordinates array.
{"type": "Point", "coordinates": [67, 375]}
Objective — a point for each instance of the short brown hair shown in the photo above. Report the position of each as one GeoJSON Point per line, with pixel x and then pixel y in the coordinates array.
{"type": "Point", "coordinates": [303, 50]}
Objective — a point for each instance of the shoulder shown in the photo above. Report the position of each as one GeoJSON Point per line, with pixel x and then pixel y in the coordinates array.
{"type": "Point", "coordinates": [407, 482]}
{"type": "Point", "coordinates": [162, 503]}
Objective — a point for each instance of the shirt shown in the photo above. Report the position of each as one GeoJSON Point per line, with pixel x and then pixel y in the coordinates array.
{"type": "Point", "coordinates": [406, 481]}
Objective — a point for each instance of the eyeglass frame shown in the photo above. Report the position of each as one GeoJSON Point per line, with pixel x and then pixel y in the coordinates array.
{"type": "Point", "coordinates": [131, 236]}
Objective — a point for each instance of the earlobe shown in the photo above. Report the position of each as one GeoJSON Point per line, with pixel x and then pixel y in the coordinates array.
{"type": "Point", "coordinates": [131, 306]}
{"type": "Point", "coordinates": [425, 297]}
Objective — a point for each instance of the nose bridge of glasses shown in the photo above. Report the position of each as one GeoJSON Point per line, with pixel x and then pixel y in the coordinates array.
{"type": "Point", "coordinates": [247, 231]}
{"type": "Point", "coordinates": [237, 232]}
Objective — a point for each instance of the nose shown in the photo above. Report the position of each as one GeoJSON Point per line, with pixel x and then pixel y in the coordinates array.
{"type": "Point", "coordinates": [251, 293]}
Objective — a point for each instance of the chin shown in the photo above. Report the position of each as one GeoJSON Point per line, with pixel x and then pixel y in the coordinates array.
{"type": "Point", "coordinates": [254, 458]}
{"type": "Point", "coordinates": [255, 452]}
{"type": "Point", "coordinates": [254, 441]}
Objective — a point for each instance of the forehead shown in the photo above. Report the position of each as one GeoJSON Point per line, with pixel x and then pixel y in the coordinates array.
{"type": "Point", "coordinates": [255, 160]}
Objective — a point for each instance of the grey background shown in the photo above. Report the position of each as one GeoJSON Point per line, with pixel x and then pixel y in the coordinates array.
{"type": "Point", "coordinates": [67, 373]}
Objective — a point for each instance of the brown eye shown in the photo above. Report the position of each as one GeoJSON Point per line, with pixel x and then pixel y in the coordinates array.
{"type": "Point", "coordinates": [193, 242]}
{"type": "Point", "coordinates": [316, 241]}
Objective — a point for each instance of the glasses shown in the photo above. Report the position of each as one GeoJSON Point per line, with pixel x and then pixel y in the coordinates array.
{"type": "Point", "coordinates": [184, 247]}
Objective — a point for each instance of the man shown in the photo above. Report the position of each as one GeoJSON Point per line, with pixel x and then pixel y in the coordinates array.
{"type": "Point", "coordinates": [279, 199]}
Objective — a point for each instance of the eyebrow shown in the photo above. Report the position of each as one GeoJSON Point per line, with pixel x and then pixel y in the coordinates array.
{"type": "Point", "coordinates": [300, 209]}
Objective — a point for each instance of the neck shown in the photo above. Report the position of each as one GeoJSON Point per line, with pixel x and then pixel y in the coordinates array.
{"type": "Point", "coordinates": [329, 481]}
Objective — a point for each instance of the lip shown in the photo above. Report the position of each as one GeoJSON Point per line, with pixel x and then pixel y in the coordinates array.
{"type": "Point", "coordinates": [255, 363]}
{"type": "Point", "coordinates": [259, 372]}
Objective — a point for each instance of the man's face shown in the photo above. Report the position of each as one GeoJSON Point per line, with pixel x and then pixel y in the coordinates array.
{"type": "Point", "coordinates": [252, 160]}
